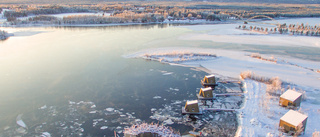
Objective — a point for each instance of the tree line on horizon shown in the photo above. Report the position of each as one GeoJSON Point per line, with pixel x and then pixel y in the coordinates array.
{"type": "Point", "coordinates": [141, 12]}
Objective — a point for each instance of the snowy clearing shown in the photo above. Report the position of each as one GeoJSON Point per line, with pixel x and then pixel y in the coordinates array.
{"type": "Point", "coordinates": [261, 113]}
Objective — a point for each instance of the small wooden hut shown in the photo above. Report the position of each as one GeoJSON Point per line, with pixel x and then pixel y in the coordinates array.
{"type": "Point", "coordinates": [293, 122]}
{"type": "Point", "coordinates": [290, 98]}
{"type": "Point", "coordinates": [209, 81]}
{"type": "Point", "coordinates": [206, 93]}
{"type": "Point", "coordinates": [191, 107]}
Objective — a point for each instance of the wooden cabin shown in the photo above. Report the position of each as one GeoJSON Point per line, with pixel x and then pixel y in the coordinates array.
{"type": "Point", "coordinates": [293, 122]}
{"type": "Point", "coordinates": [191, 107]}
{"type": "Point", "coordinates": [290, 98]}
{"type": "Point", "coordinates": [206, 93]}
{"type": "Point", "coordinates": [209, 81]}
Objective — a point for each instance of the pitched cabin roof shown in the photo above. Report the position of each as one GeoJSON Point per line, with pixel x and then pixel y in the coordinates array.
{"type": "Point", "coordinates": [293, 117]}
{"type": "Point", "coordinates": [192, 102]}
{"type": "Point", "coordinates": [206, 89]}
{"type": "Point", "coordinates": [209, 76]}
{"type": "Point", "coordinates": [291, 95]}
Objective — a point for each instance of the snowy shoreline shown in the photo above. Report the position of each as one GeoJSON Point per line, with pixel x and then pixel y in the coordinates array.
{"type": "Point", "coordinates": [250, 118]}
{"type": "Point", "coordinates": [260, 112]}
{"type": "Point", "coordinates": [200, 22]}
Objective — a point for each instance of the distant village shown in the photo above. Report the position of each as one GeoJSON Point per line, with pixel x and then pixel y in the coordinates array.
{"type": "Point", "coordinates": [150, 12]}
{"type": "Point", "coordinates": [292, 29]}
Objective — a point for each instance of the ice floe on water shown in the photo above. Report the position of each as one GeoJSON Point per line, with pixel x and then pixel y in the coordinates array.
{"type": "Point", "coordinates": [168, 73]}
{"type": "Point", "coordinates": [20, 122]}
{"type": "Point", "coordinates": [110, 109]}
{"type": "Point", "coordinates": [210, 123]}
{"type": "Point", "coordinates": [168, 122]}
{"type": "Point", "coordinates": [174, 56]}
{"type": "Point", "coordinates": [43, 107]}
{"type": "Point", "coordinates": [72, 119]}
{"type": "Point", "coordinates": [156, 97]}
{"type": "Point", "coordinates": [93, 112]}
{"type": "Point", "coordinates": [140, 129]}
{"type": "Point", "coordinates": [45, 134]}
{"type": "Point", "coordinates": [104, 127]}
{"type": "Point", "coordinates": [173, 89]}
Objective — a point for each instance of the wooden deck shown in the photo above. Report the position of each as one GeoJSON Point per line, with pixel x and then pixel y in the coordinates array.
{"type": "Point", "coordinates": [205, 98]}
{"type": "Point", "coordinates": [193, 113]}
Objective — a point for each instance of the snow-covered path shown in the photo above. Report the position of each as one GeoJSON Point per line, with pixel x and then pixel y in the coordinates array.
{"type": "Point", "coordinates": [258, 116]}
{"type": "Point", "coordinates": [261, 113]}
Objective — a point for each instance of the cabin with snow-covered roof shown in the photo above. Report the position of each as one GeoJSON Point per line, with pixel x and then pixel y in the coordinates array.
{"type": "Point", "coordinates": [209, 81]}
{"type": "Point", "coordinates": [206, 93]}
{"type": "Point", "coordinates": [290, 98]}
{"type": "Point", "coordinates": [191, 107]}
{"type": "Point", "coordinates": [293, 122]}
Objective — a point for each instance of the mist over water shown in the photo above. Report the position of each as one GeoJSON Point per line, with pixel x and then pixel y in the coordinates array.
{"type": "Point", "coordinates": [75, 80]}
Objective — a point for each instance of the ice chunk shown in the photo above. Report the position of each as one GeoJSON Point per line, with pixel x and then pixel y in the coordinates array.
{"type": "Point", "coordinates": [156, 97]}
{"type": "Point", "coordinates": [104, 127]}
{"type": "Point", "coordinates": [210, 116]}
{"type": "Point", "coordinates": [109, 109]}
{"type": "Point", "coordinates": [21, 130]}
{"type": "Point", "coordinates": [45, 134]}
{"type": "Point", "coordinates": [153, 109]}
{"type": "Point", "coordinates": [168, 122]}
{"type": "Point", "coordinates": [177, 102]}
{"type": "Point", "coordinates": [20, 122]}
{"type": "Point", "coordinates": [43, 107]}
{"type": "Point", "coordinates": [71, 102]}
{"type": "Point", "coordinates": [93, 112]}
{"type": "Point", "coordinates": [168, 73]}
{"type": "Point", "coordinates": [93, 106]}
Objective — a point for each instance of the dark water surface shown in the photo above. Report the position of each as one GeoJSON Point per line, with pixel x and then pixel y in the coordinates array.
{"type": "Point", "coordinates": [74, 81]}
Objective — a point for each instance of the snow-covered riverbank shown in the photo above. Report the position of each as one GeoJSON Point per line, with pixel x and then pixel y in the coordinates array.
{"type": "Point", "coordinates": [254, 121]}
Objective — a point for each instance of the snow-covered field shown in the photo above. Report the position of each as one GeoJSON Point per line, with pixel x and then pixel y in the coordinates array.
{"type": "Point", "coordinates": [256, 119]}
{"type": "Point", "coordinates": [61, 15]}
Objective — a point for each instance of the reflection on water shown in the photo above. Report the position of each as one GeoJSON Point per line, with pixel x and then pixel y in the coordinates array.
{"type": "Point", "coordinates": [74, 81]}
{"type": "Point", "coordinates": [119, 27]}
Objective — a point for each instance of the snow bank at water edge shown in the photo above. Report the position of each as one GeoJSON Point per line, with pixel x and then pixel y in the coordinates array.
{"type": "Point", "coordinates": [232, 63]}
{"type": "Point", "coordinates": [261, 112]}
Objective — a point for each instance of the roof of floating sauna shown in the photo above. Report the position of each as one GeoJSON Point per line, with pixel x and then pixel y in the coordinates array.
{"type": "Point", "coordinates": [291, 95]}
{"type": "Point", "coordinates": [210, 76]}
{"type": "Point", "coordinates": [192, 102]}
{"type": "Point", "coordinates": [206, 89]}
{"type": "Point", "coordinates": [293, 117]}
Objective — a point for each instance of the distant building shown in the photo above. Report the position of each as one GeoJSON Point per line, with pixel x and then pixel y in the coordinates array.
{"type": "Point", "coordinates": [290, 98]}
{"type": "Point", "coordinates": [191, 107]}
{"type": "Point", "coordinates": [206, 93]}
{"type": "Point", "coordinates": [209, 81]}
{"type": "Point", "coordinates": [293, 122]}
